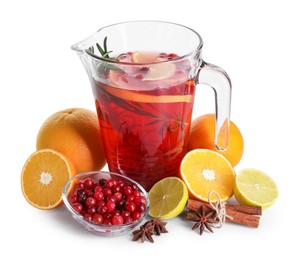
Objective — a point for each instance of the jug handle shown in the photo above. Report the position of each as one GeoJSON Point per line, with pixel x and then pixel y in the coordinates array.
{"type": "Point", "coordinates": [219, 81]}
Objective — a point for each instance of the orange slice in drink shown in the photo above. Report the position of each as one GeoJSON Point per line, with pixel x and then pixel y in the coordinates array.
{"type": "Point", "coordinates": [122, 90]}
{"type": "Point", "coordinates": [43, 177]}
{"type": "Point", "coordinates": [139, 97]}
{"type": "Point", "coordinates": [204, 171]}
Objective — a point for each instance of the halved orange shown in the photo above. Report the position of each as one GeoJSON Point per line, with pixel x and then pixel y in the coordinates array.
{"type": "Point", "coordinates": [43, 176]}
{"type": "Point", "coordinates": [204, 171]}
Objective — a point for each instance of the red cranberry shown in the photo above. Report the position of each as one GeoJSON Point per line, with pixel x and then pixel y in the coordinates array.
{"type": "Point", "coordinates": [90, 202]}
{"type": "Point", "coordinates": [73, 198]}
{"type": "Point", "coordinates": [97, 188]}
{"type": "Point", "coordinates": [136, 193]}
{"type": "Point", "coordinates": [172, 56]}
{"type": "Point", "coordinates": [127, 219]}
{"type": "Point", "coordinates": [131, 197]}
{"type": "Point", "coordinates": [98, 195]}
{"type": "Point", "coordinates": [125, 214]}
{"type": "Point", "coordinates": [118, 195]}
{"type": "Point", "coordinates": [121, 184]}
{"type": "Point", "coordinates": [88, 183]}
{"type": "Point", "coordinates": [102, 182]}
{"type": "Point", "coordinates": [162, 55]}
{"type": "Point", "coordinates": [107, 192]}
{"type": "Point", "coordinates": [134, 186]}
{"type": "Point", "coordinates": [139, 199]}
{"type": "Point", "coordinates": [116, 212]}
{"type": "Point", "coordinates": [120, 204]}
{"type": "Point", "coordinates": [144, 69]}
{"type": "Point", "coordinates": [81, 192]}
{"type": "Point", "coordinates": [82, 195]}
{"type": "Point", "coordinates": [100, 203]}
{"type": "Point", "coordinates": [117, 220]}
{"type": "Point", "coordinates": [127, 190]}
{"type": "Point", "coordinates": [136, 215]}
{"type": "Point", "coordinates": [107, 221]}
{"type": "Point", "coordinates": [91, 210]}
{"type": "Point", "coordinates": [111, 198]}
{"type": "Point", "coordinates": [130, 206]}
{"type": "Point", "coordinates": [102, 210]}
{"type": "Point", "coordinates": [89, 193]}
{"type": "Point", "coordinates": [110, 183]}
{"type": "Point", "coordinates": [80, 185]}
{"type": "Point", "coordinates": [111, 206]}
{"type": "Point", "coordinates": [116, 188]}
{"type": "Point", "coordinates": [88, 216]}
{"type": "Point", "coordinates": [107, 215]}
{"type": "Point", "coordinates": [78, 207]}
{"type": "Point", "coordinates": [97, 218]}
{"type": "Point", "coordinates": [141, 207]}
{"type": "Point", "coordinates": [139, 76]}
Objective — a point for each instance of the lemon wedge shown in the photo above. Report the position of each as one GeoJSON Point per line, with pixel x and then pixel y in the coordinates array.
{"type": "Point", "coordinates": [144, 57]}
{"type": "Point", "coordinates": [160, 71]}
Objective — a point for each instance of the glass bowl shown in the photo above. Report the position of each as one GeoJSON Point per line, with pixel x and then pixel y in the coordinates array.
{"type": "Point", "coordinates": [108, 230]}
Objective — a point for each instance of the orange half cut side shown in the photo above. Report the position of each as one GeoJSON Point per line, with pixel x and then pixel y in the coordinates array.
{"type": "Point", "coordinates": [43, 177]}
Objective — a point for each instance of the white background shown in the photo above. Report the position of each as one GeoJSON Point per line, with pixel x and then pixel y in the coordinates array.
{"type": "Point", "coordinates": [40, 75]}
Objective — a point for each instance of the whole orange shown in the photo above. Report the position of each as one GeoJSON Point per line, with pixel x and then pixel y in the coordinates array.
{"type": "Point", "coordinates": [74, 132]}
{"type": "Point", "coordinates": [202, 135]}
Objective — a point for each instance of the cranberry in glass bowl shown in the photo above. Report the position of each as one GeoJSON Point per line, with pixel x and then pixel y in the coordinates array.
{"type": "Point", "coordinates": [106, 203]}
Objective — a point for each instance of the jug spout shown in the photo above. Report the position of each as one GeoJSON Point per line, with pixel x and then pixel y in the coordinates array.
{"type": "Point", "coordinates": [81, 52]}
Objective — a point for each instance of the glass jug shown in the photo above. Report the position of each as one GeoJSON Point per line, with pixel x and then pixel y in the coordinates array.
{"type": "Point", "coordinates": [144, 76]}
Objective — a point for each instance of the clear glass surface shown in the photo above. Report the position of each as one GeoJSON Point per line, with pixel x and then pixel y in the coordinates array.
{"type": "Point", "coordinates": [145, 123]}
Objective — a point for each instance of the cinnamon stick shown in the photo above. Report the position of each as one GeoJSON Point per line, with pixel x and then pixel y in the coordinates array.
{"type": "Point", "coordinates": [252, 210]}
{"type": "Point", "coordinates": [245, 215]}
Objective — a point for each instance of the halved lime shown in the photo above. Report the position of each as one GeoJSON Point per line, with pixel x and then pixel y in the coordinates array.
{"type": "Point", "coordinates": [255, 188]}
{"type": "Point", "coordinates": [168, 198]}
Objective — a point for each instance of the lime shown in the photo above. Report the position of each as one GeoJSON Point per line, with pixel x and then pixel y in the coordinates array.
{"type": "Point", "coordinates": [168, 198]}
{"type": "Point", "coordinates": [255, 188]}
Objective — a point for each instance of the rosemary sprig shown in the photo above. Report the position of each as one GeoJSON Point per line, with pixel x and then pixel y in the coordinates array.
{"type": "Point", "coordinates": [103, 67]}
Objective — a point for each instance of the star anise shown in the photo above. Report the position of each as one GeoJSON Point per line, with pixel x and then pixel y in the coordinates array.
{"type": "Point", "coordinates": [159, 226]}
{"type": "Point", "coordinates": [145, 232]}
{"type": "Point", "coordinates": [202, 220]}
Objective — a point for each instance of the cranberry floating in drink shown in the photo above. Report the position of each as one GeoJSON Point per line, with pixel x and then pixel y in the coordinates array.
{"type": "Point", "coordinates": [143, 76]}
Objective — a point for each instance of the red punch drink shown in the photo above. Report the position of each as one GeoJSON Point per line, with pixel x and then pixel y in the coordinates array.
{"type": "Point", "coordinates": [144, 111]}
{"type": "Point", "coordinates": [144, 99]}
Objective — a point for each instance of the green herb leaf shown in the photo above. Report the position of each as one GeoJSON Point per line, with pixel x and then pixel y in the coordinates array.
{"type": "Point", "coordinates": [104, 44]}
{"type": "Point", "coordinates": [103, 67]}
{"type": "Point", "coordinates": [91, 49]}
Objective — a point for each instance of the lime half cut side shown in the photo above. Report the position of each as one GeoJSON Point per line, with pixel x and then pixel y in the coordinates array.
{"type": "Point", "coordinates": [168, 198]}
{"type": "Point", "coordinates": [255, 188]}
